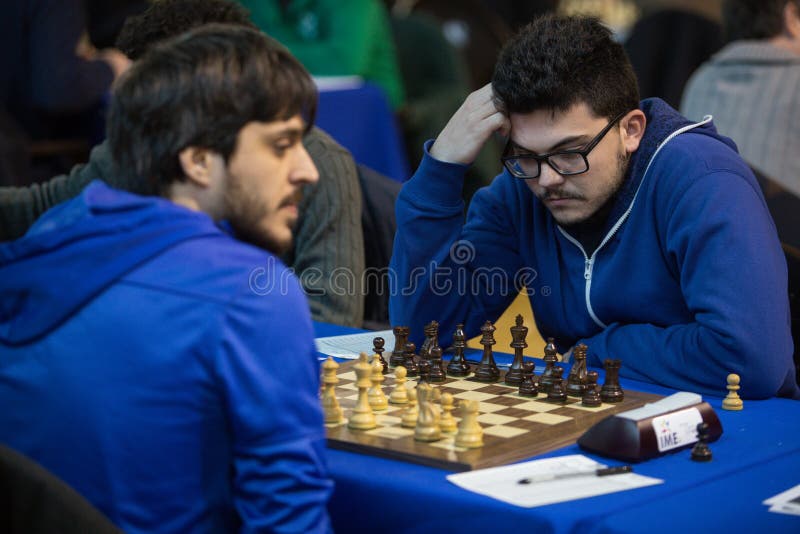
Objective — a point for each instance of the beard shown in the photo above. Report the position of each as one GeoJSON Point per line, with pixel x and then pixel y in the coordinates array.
{"type": "Point", "coordinates": [254, 222]}
{"type": "Point", "coordinates": [606, 197]}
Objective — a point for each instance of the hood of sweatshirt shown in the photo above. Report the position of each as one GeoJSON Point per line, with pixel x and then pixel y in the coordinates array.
{"type": "Point", "coordinates": [78, 249]}
{"type": "Point", "coordinates": [663, 123]}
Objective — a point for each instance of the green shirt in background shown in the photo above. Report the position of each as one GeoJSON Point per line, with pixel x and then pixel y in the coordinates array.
{"type": "Point", "coordinates": [335, 38]}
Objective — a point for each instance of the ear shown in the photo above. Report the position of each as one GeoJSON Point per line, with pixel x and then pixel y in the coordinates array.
{"type": "Point", "coordinates": [197, 165]}
{"type": "Point", "coordinates": [633, 125]}
{"type": "Point", "coordinates": [791, 19]}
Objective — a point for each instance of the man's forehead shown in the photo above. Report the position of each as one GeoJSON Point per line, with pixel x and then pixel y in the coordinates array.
{"type": "Point", "coordinates": [277, 126]}
{"type": "Point", "coordinates": [542, 129]}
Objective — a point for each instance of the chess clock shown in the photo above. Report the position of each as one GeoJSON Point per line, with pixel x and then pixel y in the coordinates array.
{"type": "Point", "coordinates": [657, 428]}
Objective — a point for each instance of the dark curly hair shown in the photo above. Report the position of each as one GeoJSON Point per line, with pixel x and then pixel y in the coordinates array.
{"type": "Point", "coordinates": [556, 61]}
{"type": "Point", "coordinates": [168, 18]}
{"type": "Point", "coordinates": [753, 19]}
{"type": "Point", "coordinates": [200, 89]}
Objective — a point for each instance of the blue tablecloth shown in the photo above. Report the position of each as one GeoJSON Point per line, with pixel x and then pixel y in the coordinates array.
{"type": "Point", "coordinates": [360, 120]}
{"type": "Point", "coordinates": [757, 456]}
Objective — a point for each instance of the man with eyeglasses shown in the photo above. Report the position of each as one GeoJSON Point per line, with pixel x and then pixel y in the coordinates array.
{"type": "Point", "coordinates": [635, 231]}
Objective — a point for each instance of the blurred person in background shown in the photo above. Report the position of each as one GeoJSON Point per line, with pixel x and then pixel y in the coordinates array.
{"type": "Point", "coordinates": [752, 85]}
{"type": "Point", "coordinates": [51, 81]}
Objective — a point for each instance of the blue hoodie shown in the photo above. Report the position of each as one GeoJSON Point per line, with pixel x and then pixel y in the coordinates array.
{"type": "Point", "coordinates": [688, 285]}
{"type": "Point", "coordinates": [163, 369]}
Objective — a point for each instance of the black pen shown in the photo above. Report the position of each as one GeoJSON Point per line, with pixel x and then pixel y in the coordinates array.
{"type": "Point", "coordinates": [603, 472]}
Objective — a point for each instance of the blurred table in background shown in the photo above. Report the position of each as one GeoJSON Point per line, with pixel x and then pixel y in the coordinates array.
{"type": "Point", "coordinates": [358, 116]}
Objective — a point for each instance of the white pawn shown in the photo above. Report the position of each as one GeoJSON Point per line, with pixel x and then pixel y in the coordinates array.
{"type": "Point", "coordinates": [447, 423]}
{"type": "Point", "coordinates": [427, 428]}
{"type": "Point", "coordinates": [330, 405]}
{"type": "Point", "coordinates": [470, 433]}
{"type": "Point", "coordinates": [377, 399]}
{"type": "Point", "coordinates": [732, 401]}
{"type": "Point", "coordinates": [409, 418]}
{"type": "Point", "coordinates": [399, 394]}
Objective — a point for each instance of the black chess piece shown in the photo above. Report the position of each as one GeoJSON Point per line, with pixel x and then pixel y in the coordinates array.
{"type": "Point", "coordinates": [409, 360]}
{"type": "Point", "coordinates": [700, 451]}
{"type": "Point", "coordinates": [576, 380]}
{"type": "Point", "coordinates": [437, 366]}
{"type": "Point", "coordinates": [458, 365]}
{"type": "Point", "coordinates": [425, 371]}
{"type": "Point", "coordinates": [377, 347]}
{"type": "Point", "coordinates": [556, 392]}
{"type": "Point", "coordinates": [550, 359]}
{"type": "Point", "coordinates": [530, 382]}
{"type": "Point", "coordinates": [400, 339]}
{"type": "Point", "coordinates": [487, 370]}
{"type": "Point", "coordinates": [611, 391]}
{"type": "Point", "coordinates": [591, 397]}
{"type": "Point", "coordinates": [431, 340]}
{"type": "Point", "coordinates": [515, 375]}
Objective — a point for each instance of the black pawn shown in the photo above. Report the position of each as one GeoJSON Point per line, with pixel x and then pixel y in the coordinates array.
{"type": "Point", "coordinates": [530, 382]}
{"type": "Point", "coordinates": [409, 360]}
{"type": "Point", "coordinates": [437, 367]}
{"type": "Point", "coordinates": [700, 451]}
{"type": "Point", "coordinates": [458, 365]}
{"type": "Point", "coordinates": [425, 371]}
{"type": "Point", "coordinates": [557, 393]}
{"type": "Point", "coordinates": [377, 347]}
{"type": "Point", "coordinates": [592, 396]}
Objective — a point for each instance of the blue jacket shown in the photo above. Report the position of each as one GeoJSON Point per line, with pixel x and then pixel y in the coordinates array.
{"type": "Point", "coordinates": [688, 285]}
{"type": "Point", "coordinates": [163, 369]}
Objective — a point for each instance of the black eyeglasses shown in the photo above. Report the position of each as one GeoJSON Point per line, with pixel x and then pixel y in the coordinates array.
{"type": "Point", "coordinates": [565, 162]}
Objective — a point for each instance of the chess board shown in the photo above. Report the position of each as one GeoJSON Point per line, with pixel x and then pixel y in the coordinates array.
{"type": "Point", "coordinates": [514, 427]}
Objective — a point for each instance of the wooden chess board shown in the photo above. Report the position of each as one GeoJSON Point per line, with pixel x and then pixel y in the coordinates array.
{"type": "Point", "coordinates": [514, 427]}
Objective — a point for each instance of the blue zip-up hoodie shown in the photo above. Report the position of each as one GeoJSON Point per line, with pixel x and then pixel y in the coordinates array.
{"type": "Point", "coordinates": [688, 285]}
{"type": "Point", "coordinates": [163, 369]}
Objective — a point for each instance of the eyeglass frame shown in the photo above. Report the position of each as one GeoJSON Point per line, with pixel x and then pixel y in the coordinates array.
{"type": "Point", "coordinates": [583, 152]}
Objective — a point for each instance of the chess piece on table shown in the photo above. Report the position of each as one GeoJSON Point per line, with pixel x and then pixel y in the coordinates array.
{"type": "Point", "coordinates": [458, 365]}
{"type": "Point", "coordinates": [576, 380]}
{"type": "Point", "coordinates": [519, 332]}
{"type": "Point", "coordinates": [447, 423]}
{"type": "Point", "coordinates": [399, 394]}
{"type": "Point", "coordinates": [732, 400]}
{"type": "Point", "coordinates": [377, 348]}
{"type": "Point", "coordinates": [530, 382]}
{"type": "Point", "coordinates": [427, 428]}
{"type": "Point", "coordinates": [431, 340]}
{"type": "Point", "coordinates": [611, 391]}
{"type": "Point", "coordinates": [591, 396]}
{"type": "Point", "coordinates": [424, 371]}
{"type": "Point", "coordinates": [409, 417]}
{"type": "Point", "coordinates": [557, 392]}
{"type": "Point", "coordinates": [470, 433]}
{"type": "Point", "coordinates": [362, 417]}
{"type": "Point", "coordinates": [550, 359]}
{"type": "Point", "coordinates": [700, 451]}
{"type": "Point", "coordinates": [410, 360]}
{"type": "Point", "coordinates": [437, 368]}
{"type": "Point", "coordinates": [330, 405]}
{"type": "Point", "coordinates": [487, 370]}
{"type": "Point", "coordinates": [400, 339]}
{"type": "Point", "coordinates": [377, 399]}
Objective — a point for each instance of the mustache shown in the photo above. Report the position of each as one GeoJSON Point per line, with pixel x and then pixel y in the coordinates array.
{"type": "Point", "coordinates": [558, 194]}
{"type": "Point", "coordinates": [293, 199]}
